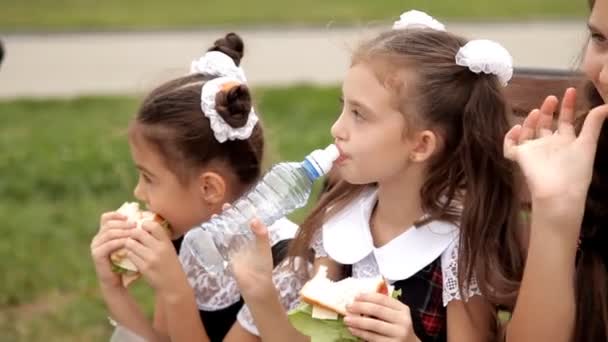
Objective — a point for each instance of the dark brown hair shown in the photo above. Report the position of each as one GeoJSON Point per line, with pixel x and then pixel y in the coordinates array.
{"type": "Point", "coordinates": [469, 182]}
{"type": "Point", "coordinates": [591, 286]}
{"type": "Point", "coordinates": [171, 119]}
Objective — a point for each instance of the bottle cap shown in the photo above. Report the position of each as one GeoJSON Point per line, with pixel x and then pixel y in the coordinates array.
{"type": "Point", "coordinates": [323, 160]}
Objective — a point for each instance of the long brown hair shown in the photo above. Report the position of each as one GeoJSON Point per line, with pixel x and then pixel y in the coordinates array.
{"type": "Point", "coordinates": [171, 119]}
{"type": "Point", "coordinates": [469, 183]}
{"type": "Point", "coordinates": [591, 286]}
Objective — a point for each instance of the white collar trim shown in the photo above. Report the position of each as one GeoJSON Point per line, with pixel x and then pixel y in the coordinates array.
{"type": "Point", "coordinates": [347, 239]}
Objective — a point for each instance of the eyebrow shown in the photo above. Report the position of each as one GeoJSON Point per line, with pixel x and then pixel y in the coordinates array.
{"type": "Point", "coordinates": [361, 105]}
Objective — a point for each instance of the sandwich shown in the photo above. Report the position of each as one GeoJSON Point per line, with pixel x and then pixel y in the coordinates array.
{"type": "Point", "coordinates": [323, 305]}
{"type": "Point", "coordinates": [120, 263]}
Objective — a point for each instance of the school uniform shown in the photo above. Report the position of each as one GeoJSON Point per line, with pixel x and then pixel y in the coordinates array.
{"type": "Point", "coordinates": [421, 262]}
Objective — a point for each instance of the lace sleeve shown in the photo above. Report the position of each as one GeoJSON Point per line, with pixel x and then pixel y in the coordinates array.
{"type": "Point", "coordinates": [218, 291]}
{"type": "Point", "coordinates": [288, 283]}
{"type": "Point", "coordinates": [212, 292]}
{"type": "Point", "coordinates": [317, 245]}
{"type": "Point", "coordinates": [449, 271]}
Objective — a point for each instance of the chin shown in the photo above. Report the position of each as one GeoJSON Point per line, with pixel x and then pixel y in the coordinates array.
{"type": "Point", "coordinates": [352, 177]}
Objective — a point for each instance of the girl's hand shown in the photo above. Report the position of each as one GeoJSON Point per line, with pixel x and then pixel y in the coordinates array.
{"type": "Point", "coordinates": [114, 229]}
{"type": "Point", "coordinates": [556, 164]}
{"type": "Point", "coordinates": [151, 250]}
{"type": "Point", "coordinates": [252, 265]}
{"type": "Point", "coordinates": [378, 317]}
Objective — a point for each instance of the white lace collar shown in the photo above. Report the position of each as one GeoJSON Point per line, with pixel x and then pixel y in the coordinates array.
{"type": "Point", "coordinates": [347, 239]}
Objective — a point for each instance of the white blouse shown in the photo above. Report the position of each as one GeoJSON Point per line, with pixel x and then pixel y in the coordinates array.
{"type": "Point", "coordinates": [346, 238]}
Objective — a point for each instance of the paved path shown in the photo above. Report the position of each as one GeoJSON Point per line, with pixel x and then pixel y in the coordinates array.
{"type": "Point", "coordinates": [126, 63]}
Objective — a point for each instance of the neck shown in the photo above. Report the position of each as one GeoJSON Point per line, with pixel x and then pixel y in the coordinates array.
{"type": "Point", "coordinates": [399, 205]}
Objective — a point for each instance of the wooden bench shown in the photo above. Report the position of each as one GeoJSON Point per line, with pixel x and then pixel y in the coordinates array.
{"type": "Point", "coordinates": [529, 87]}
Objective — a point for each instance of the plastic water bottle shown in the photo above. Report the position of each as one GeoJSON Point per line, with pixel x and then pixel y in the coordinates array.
{"type": "Point", "coordinates": [286, 187]}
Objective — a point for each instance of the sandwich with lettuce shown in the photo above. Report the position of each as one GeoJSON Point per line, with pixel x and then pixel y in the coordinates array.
{"type": "Point", "coordinates": [323, 305]}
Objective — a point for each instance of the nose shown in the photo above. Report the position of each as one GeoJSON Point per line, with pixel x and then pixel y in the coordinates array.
{"type": "Point", "coordinates": [338, 129]}
{"type": "Point", "coordinates": [138, 191]}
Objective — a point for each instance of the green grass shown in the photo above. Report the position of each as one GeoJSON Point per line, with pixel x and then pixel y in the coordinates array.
{"type": "Point", "coordinates": [64, 15]}
{"type": "Point", "coordinates": [66, 161]}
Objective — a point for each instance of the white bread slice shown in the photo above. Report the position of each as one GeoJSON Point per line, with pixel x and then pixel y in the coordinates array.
{"type": "Point", "coordinates": [321, 313]}
{"type": "Point", "coordinates": [324, 293]}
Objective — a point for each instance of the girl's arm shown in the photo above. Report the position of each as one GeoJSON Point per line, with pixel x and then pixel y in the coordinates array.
{"type": "Point", "coordinates": [558, 167]}
{"type": "Point", "coordinates": [113, 233]}
{"type": "Point", "coordinates": [126, 312]}
{"type": "Point", "coordinates": [547, 288]}
{"type": "Point", "coordinates": [177, 315]}
{"type": "Point", "coordinates": [239, 334]}
{"type": "Point", "coordinates": [253, 268]}
{"type": "Point", "coordinates": [472, 320]}
{"type": "Point", "coordinates": [268, 312]}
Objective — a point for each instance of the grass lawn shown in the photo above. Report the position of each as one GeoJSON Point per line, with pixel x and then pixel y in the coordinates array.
{"type": "Point", "coordinates": [63, 163]}
{"type": "Point", "coordinates": [65, 15]}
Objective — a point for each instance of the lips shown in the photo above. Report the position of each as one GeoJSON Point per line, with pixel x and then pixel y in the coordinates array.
{"type": "Point", "coordinates": [342, 158]}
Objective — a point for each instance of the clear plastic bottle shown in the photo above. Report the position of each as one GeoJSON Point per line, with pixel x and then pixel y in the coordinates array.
{"type": "Point", "coordinates": [286, 187]}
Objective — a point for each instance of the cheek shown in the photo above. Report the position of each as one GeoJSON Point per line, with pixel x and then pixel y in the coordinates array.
{"type": "Point", "coordinates": [189, 212]}
{"type": "Point", "coordinates": [385, 151]}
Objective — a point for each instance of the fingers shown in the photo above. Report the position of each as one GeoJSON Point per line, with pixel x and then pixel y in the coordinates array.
{"type": "Point", "coordinates": [109, 235]}
{"type": "Point", "coordinates": [383, 300]}
{"type": "Point", "coordinates": [134, 247]}
{"type": "Point", "coordinates": [528, 129]}
{"type": "Point", "coordinates": [262, 240]}
{"type": "Point", "coordinates": [226, 206]}
{"type": "Point", "coordinates": [380, 306]}
{"type": "Point", "coordinates": [260, 231]}
{"type": "Point", "coordinates": [544, 126]}
{"type": "Point", "coordinates": [565, 123]}
{"type": "Point", "coordinates": [510, 142]}
{"type": "Point", "coordinates": [143, 237]}
{"type": "Point", "coordinates": [379, 315]}
{"type": "Point", "coordinates": [105, 249]}
{"type": "Point", "coordinates": [258, 249]}
{"type": "Point", "coordinates": [137, 260]}
{"type": "Point", "coordinates": [118, 224]}
{"type": "Point", "coordinates": [592, 127]}
{"type": "Point", "coordinates": [380, 312]}
{"type": "Point", "coordinates": [112, 215]}
{"type": "Point", "coordinates": [156, 230]}
{"type": "Point", "coordinates": [370, 329]}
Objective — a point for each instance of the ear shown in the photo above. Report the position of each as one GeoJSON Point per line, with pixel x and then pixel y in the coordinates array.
{"type": "Point", "coordinates": [212, 188]}
{"type": "Point", "coordinates": [425, 144]}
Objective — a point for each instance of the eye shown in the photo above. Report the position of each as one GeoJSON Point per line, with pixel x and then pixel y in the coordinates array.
{"type": "Point", "coordinates": [598, 38]}
{"type": "Point", "coordinates": [146, 178]}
